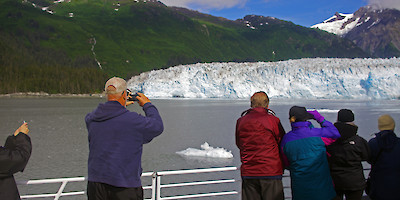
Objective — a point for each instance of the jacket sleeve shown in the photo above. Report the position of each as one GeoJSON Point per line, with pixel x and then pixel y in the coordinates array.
{"type": "Point", "coordinates": [285, 160]}
{"type": "Point", "coordinates": [328, 130]}
{"type": "Point", "coordinates": [365, 152]}
{"type": "Point", "coordinates": [237, 134]}
{"type": "Point", "coordinates": [374, 149]}
{"type": "Point", "coordinates": [281, 133]}
{"type": "Point", "coordinates": [15, 154]}
{"type": "Point", "coordinates": [153, 122]}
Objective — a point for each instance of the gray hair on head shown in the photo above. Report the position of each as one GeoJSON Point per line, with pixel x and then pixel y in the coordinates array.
{"type": "Point", "coordinates": [259, 99]}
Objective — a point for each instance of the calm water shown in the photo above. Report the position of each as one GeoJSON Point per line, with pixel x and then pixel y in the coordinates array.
{"type": "Point", "coordinates": [59, 135]}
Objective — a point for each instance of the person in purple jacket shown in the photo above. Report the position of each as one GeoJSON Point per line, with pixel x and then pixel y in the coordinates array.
{"type": "Point", "coordinates": [304, 154]}
{"type": "Point", "coordinates": [116, 138]}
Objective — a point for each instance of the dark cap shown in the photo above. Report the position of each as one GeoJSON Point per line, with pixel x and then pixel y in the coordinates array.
{"type": "Point", "coordinates": [300, 113]}
{"type": "Point", "coordinates": [345, 115]}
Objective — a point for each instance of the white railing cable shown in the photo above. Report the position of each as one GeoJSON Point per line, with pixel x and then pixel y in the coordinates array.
{"type": "Point", "coordinates": [57, 195]}
{"type": "Point", "coordinates": [193, 171]}
{"type": "Point", "coordinates": [201, 195]}
{"type": "Point", "coordinates": [197, 183]}
{"type": "Point", "coordinates": [155, 186]}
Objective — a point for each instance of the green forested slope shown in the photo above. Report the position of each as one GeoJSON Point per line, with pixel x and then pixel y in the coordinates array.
{"type": "Point", "coordinates": [58, 53]}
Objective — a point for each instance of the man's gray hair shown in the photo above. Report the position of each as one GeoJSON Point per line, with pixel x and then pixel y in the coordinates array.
{"type": "Point", "coordinates": [259, 99]}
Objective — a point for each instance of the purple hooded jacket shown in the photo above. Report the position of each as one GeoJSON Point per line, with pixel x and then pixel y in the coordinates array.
{"type": "Point", "coordinates": [116, 138]}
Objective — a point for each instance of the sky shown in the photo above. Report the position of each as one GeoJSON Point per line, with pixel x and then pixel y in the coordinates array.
{"type": "Point", "coordinates": [302, 12]}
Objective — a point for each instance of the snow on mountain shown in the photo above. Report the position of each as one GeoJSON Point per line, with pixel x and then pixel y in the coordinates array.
{"type": "Point", "coordinates": [329, 78]}
{"type": "Point", "coordinates": [339, 24]}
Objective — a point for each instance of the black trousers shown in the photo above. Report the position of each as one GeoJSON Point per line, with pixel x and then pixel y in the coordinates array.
{"type": "Point", "coordinates": [350, 195]}
{"type": "Point", "coordinates": [102, 191]}
{"type": "Point", "coordinates": [262, 189]}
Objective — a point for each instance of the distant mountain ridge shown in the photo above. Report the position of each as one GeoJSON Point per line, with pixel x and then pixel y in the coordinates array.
{"type": "Point", "coordinates": [374, 30]}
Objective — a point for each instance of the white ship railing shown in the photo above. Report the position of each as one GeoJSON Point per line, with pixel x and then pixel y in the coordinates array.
{"type": "Point", "coordinates": [159, 186]}
{"type": "Point", "coordinates": [155, 186]}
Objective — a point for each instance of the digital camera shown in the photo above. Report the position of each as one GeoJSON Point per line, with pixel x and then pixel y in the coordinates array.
{"type": "Point", "coordinates": [131, 96]}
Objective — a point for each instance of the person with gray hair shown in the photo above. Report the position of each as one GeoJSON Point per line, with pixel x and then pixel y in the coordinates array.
{"type": "Point", "coordinates": [384, 178]}
{"type": "Point", "coordinates": [116, 137]}
{"type": "Point", "coordinates": [258, 136]}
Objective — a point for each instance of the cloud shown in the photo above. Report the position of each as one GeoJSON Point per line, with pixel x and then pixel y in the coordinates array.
{"type": "Point", "coordinates": [205, 4]}
{"type": "Point", "coordinates": [386, 3]}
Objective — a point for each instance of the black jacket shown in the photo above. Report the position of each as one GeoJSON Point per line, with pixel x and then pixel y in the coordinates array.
{"type": "Point", "coordinates": [346, 155]}
{"type": "Point", "coordinates": [385, 172]}
{"type": "Point", "coordinates": [13, 158]}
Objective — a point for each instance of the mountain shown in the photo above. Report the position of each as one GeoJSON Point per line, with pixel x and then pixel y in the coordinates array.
{"type": "Point", "coordinates": [123, 38]}
{"type": "Point", "coordinates": [310, 78]}
{"type": "Point", "coordinates": [374, 30]}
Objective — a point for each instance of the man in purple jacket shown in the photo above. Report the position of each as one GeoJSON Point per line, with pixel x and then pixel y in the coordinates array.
{"type": "Point", "coordinates": [116, 138]}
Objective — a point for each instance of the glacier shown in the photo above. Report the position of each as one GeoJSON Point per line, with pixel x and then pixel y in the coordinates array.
{"type": "Point", "coordinates": [311, 78]}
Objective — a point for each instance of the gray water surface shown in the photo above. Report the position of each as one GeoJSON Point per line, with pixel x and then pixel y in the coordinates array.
{"type": "Point", "coordinates": [59, 134]}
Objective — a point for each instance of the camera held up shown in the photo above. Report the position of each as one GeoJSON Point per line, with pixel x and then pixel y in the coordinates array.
{"type": "Point", "coordinates": [131, 96]}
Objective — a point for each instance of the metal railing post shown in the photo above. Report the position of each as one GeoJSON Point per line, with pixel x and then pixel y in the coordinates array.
{"type": "Point", "coordinates": [158, 187]}
{"type": "Point", "coordinates": [60, 191]}
{"type": "Point", "coordinates": [153, 186]}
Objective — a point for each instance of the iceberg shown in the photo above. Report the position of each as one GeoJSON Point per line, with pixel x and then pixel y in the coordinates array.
{"type": "Point", "coordinates": [311, 78]}
{"type": "Point", "coordinates": [206, 151]}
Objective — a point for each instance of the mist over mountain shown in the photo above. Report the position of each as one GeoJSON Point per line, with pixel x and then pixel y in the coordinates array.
{"type": "Point", "coordinates": [383, 4]}
{"type": "Point", "coordinates": [372, 28]}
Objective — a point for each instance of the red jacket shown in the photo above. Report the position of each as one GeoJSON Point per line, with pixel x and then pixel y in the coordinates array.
{"type": "Point", "coordinates": [258, 136]}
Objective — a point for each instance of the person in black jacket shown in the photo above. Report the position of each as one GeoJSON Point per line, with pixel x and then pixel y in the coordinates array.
{"type": "Point", "coordinates": [385, 162]}
{"type": "Point", "coordinates": [13, 158]}
{"type": "Point", "coordinates": [345, 156]}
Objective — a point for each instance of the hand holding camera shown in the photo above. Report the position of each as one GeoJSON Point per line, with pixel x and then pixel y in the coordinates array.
{"type": "Point", "coordinates": [318, 117]}
{"type": "Point", "coordinates": [131, 96]}
{"type": "Point", "coordinates": [139, 97]}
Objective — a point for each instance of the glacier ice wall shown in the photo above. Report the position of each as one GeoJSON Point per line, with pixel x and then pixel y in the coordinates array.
{"type": "Point", "coordinates": [328, 78]}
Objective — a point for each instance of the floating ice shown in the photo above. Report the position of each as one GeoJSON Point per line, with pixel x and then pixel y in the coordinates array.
{"type": "Point", "coordinates": [207, 151]}
{"type": "Point", "coordinates": [323, 110]}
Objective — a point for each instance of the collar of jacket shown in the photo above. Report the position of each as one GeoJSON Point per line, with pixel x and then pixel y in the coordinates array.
{"type": "Point", "coordinates": [387, 139]}
{"type": "Point", "coordinates": [346, 130]}
{"type": "Point", "coordinates": [258, 109]}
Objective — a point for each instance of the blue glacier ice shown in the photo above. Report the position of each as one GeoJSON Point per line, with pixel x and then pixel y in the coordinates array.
{"type": "Point", "coordinates": [312, 78]}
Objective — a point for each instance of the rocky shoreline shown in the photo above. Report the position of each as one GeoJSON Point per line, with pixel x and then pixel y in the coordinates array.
{"type": "Point", "coordinates": [47, 95]}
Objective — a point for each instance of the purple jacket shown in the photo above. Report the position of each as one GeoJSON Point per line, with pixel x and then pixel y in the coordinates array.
{"type": "Point", "coordinates": [116, 138]}
{"type": "Point", "coordinates": [304, 154]}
